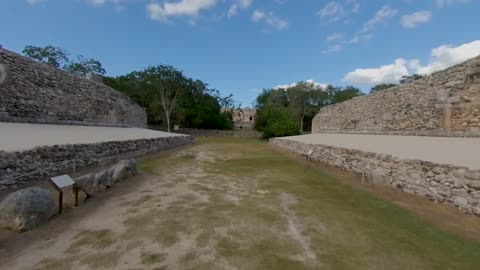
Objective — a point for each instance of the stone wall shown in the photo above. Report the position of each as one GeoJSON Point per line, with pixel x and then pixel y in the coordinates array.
{"type": "Point", "coordinates": [38, 93]}
{"type": "Point", "coordinates": [446, 103]}
{"type": "Point", "coordinates": [442, 183]}
{"type": "Point", "coordinates": [47, 161]}
{"type": "Point", "coordinates": [220, 133]}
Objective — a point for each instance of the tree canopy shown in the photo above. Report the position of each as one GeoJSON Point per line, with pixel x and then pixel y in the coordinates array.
{"type": "Point", "coordinates": [300, 102]}
{"type": "Point", "coordinates": [60, 58]}
{"type": "Point", "coordinates": [380, 87]}
{"type": "Point", "coordinates": [170, 96]}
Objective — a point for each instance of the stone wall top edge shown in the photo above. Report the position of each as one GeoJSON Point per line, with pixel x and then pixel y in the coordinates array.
{"type": "Point", "coordinates": [80, 145]}
{"type": "Point", "coordinates": [378, 155]}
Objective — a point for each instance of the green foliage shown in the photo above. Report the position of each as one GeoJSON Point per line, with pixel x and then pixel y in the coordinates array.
{"type": "Point", "coordinates": [410, 78]}
{"type": "Point", "coordinates": [275, 120]}
{"type": "Point", "coordinates": [59, 58]}
{"type": "Point", "coordinates": [382, 86]}
{"type": "Point", "coordinates": [196, 105]}
{"type": "Point", "coordinates": [302, 102]}
{"type": "Point", "coordinates": [84, 66]}
{"type": "Point", "coordinates": [49, 55]}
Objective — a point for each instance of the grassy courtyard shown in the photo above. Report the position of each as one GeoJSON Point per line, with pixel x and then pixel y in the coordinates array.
{"type": "Point", "coordinates": [238, 204]}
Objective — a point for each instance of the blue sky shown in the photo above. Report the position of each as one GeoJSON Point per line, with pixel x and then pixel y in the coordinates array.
{"type": "Point", "coordinates": [242, 46]}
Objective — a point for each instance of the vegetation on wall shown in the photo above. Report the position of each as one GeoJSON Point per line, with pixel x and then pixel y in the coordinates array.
{"type": "Point", "coordinates": [60, 58]}
{"type": "Point", "coordinates": [286, 112]}
{"type": "Point", "coordinates": [169, 96]}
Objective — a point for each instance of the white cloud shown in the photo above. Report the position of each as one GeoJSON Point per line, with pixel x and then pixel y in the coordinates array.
{"type": "Point", "coordinates": [382, 14]}
{"type": "Point", "coordinates": [441, 58]}
{"type": "Point", "coordinates": [414, 19]}
{"type": "Point", "coordinates": [333, 11]}
{"type": "Point", "coordinates": [118, 5]}
{"type": "Point", "coordinates": [191, 8]}
{"type": "Point", "coordinates": [384, 74]}
{"type": "Point", "coordinates": [313, 82]}
{"type": "Point", "coordinates": [336, 11]}
{"type": "Point", "coordinates": [235, 7]}
{"type": "Point", "coordinates": [445, 3]}
{"type": "Point", "coordinates": [447, 55]}
{"type": "Point", "coordinates": [334, 37]}
{"type": "Point", "coordinates": [34, 2]}
{"type": "Point", "coordinates": [270, 19]}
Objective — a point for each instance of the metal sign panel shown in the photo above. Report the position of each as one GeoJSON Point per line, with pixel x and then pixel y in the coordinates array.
{"type": "Point", "coordinates": [62, 181]}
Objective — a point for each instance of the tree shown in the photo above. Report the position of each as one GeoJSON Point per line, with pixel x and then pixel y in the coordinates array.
{"type": "Point", "coordinates": [344, 94]}
{"type": "Point", "coordinates": [59, 58]}
{"type": "Point", "coordinates": [275, 120]}
{"type": "Point", "coordinates": [196, 105]}
{"type": "Point", "coordinates": [84, 66]}
{"type": "Point", "coordinates": [304, 99]}
{"type": "Point", "coordinates": [382, 86]}
{"type": "Point", "coordinates": [410, 78]}
{"type": "Point", "coordinates": [171, 83]}
{"type": "Point", "coordinates": [49, 55]}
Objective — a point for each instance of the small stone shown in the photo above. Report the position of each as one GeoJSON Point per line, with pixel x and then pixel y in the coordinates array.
{"type": "Point", "coordinates": [460, 202]}
{"type": "Point", "coordinates": [472, 175]}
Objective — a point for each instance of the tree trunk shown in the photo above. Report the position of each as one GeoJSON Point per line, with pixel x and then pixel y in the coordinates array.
{"type": "Point", "coordinates": [168, 121]}
{"type": "Point", "coordinates": [301, 123]}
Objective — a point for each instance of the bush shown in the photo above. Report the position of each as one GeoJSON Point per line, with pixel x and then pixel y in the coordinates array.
{"type": "Point", "coordinates": [274, 120]}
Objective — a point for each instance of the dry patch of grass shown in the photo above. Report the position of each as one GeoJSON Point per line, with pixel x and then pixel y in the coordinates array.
{"type": "Point", "coordinates": [152, 258]}
{"type": "Point", "coordinates": [99, 239]}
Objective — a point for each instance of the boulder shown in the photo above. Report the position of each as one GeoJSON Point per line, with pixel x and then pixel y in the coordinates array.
{"type": "Point", "coordinates": [26, 209]}
{"type": "Point", "coordinates": [120, 169]}
{"type": "Point", "coordinates": [460, 202]}
{"type": "Point", "coordinates": [378, 176]}
{"type": "Point", "coordinates": [104, 178]}
{"type": "Point", "coordinates": [88, 184]}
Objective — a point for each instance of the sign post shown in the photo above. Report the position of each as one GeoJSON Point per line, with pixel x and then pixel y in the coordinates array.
{"type": "Point", "coordinates": [64, 181]}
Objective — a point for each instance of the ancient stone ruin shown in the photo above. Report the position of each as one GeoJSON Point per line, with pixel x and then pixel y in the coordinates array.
{"type": "Point", "coordinates": [36, 93]}
{"type": "Point", "coordinates": [445, 103]}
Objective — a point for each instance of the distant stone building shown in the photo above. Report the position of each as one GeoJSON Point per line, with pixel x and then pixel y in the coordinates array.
{"type": "Point", "coordinates": [243, 119]}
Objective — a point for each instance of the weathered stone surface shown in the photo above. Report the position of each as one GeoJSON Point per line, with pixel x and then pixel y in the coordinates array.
{"type": "Point", "coordinates": [472, 175]}
{"type": "Point", "coordinates": [88, 184]}
{"type": "Point", "coordinates": [26, 209]}
{"type": "Point", "coordinates": [444, 103]}
{"type": "Point", "coordinates": [379, 176]}
{"type": "Point", "coordinates": [41, 159]}
{"type": "Point", "coordinates": [460, 202]}
{"type": "Point", "coordinates": [443, 183]}
{"type": "Point", "coordinates": [4, 74]}
{"type": "Point", "coordinates": [38, 93]}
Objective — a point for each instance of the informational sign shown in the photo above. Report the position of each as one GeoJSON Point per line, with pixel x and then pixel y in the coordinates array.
{"type": "Point", "coordinates": [62, 181]}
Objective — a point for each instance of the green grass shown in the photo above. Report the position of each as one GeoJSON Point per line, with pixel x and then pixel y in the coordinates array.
{"type": "Point", "coordinates": [348, 228]}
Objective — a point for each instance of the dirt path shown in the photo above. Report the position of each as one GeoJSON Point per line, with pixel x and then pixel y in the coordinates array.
{"type": "Point", "coordinates": [237, 204]}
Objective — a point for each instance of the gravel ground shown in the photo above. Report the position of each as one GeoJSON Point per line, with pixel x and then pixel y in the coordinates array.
{"type": "Point", "coordinates": [443, 150]}
{"type": "Point", "coordinates": [21, 136]}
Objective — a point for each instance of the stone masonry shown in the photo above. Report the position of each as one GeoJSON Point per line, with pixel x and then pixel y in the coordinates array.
{"type": "Point", "coordinates": [32, 92]}
{"type": "Point", "coordinates": [46, 161]}
{"type": "Point", "coordinates": [447, 184]}
{"type": "Point", "coordinates": [446, 103]}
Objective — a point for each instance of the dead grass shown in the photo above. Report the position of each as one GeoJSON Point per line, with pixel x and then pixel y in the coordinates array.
{"type": "Point", "coordinates": [217, 205]}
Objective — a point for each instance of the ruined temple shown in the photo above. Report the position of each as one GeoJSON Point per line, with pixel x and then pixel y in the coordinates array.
{"type": "Point", "coordinates": [244, 119]}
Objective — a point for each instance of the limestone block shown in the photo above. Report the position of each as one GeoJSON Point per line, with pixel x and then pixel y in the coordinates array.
{"type": "Point", "coordinates": [4, 74]}
{"type": "Point", "coordinates": [26, 209]}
